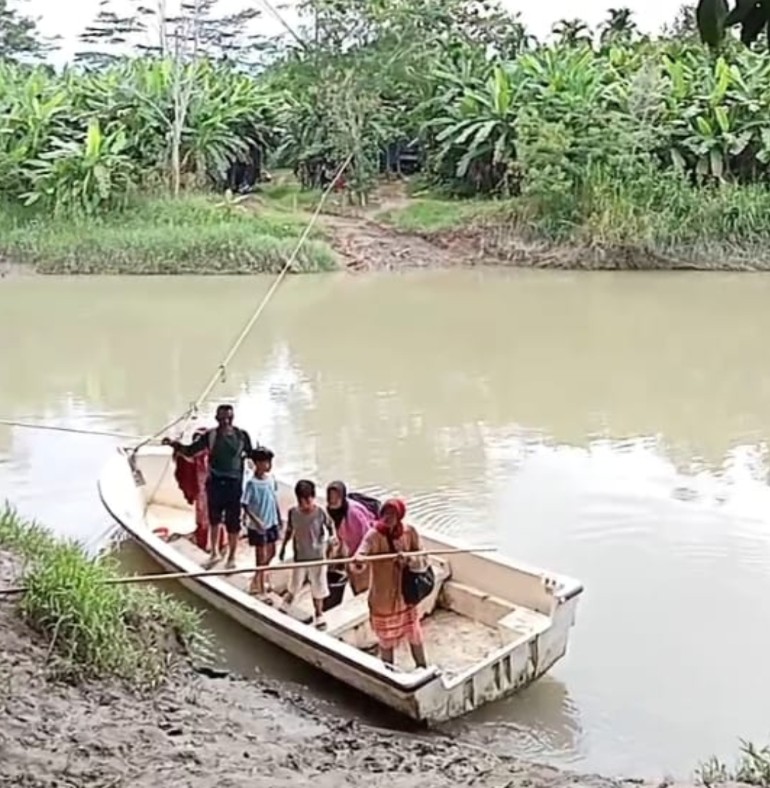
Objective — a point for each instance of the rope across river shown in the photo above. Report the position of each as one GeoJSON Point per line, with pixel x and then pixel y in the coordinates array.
{"type": "Point", "coordinates": [221, 370]}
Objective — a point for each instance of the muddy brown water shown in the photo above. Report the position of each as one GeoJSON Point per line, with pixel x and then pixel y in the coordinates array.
{"type": "Point", "coordinates": [613, 427]}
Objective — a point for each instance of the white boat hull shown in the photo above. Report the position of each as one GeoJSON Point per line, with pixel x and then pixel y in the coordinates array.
{"type": "Point", "coordinates": [536, 609]}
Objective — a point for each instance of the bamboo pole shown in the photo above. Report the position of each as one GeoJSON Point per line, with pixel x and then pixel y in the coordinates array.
{"type": "Point", "coordinates": [272, 567]}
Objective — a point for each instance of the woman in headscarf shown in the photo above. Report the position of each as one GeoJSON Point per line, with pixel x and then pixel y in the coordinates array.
{"type": "Point", "coordinates": [392, 618]}
{"type": "Point", "coordinates": [352, 521]}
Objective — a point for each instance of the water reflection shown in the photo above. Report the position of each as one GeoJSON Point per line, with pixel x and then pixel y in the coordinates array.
{"type": "Point", "coordinates": [599, 425]}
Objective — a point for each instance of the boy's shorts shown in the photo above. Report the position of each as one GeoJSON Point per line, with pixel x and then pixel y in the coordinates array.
{"type": "Point", "coordinates": [259, 539]}
{"type": "Point", "coordinates": [319, 586]}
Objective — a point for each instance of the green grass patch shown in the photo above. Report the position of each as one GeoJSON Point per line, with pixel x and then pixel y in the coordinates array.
{"type": "Point", "coordinates": [97, 630]}
{"type": "Point", "coordinates": [431, 215]}
{"type": "Point", "coordinates": [287, 195]}
{"type": "Point", "coordinates": [190, 235]}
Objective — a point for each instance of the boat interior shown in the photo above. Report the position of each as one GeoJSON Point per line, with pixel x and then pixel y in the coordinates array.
{"type": "Point", "coordinates": [480, 604]}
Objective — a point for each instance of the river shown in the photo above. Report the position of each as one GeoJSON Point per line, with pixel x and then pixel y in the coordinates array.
{"type": "Point", "coordinates": [610, 426]}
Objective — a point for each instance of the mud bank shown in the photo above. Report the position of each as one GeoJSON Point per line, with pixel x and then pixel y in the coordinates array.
{"type": "Point", "coordinates": [363, 243]}
{"type": "Point", "coordinates": [200, 732]}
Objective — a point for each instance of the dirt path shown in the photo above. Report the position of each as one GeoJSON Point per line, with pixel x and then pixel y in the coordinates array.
{"type": "Point", "coordinates": [364, 244]}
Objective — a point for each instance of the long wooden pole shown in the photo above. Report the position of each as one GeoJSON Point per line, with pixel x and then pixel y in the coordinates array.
{"type": "Point", "coordinates": [272, 567]}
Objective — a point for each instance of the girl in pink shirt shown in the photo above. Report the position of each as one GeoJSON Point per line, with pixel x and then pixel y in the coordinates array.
{"type": "Point", "coordinates": [352, 521]}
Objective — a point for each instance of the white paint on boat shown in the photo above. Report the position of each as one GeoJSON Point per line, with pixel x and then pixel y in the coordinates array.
{"type": "Point", "coordinates": [492, 625]}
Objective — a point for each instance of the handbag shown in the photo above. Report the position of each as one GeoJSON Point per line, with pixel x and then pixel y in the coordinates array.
{"type": "Point", "coordinates": [416, 584]}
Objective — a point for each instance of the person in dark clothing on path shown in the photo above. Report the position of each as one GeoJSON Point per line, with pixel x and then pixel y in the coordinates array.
{"type": "Point", "coordinates": [228, 446]}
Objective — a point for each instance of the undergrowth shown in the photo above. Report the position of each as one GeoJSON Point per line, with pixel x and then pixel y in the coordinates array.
{"type": "Point", "coordinates": [97, 630]}
{"type": "Point", "coordinates": [660, 213]}
{"type": "Point", "coordinates": [193, 234]}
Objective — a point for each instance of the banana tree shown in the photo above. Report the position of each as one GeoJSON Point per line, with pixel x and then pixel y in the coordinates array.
{"type": "Point", "coordinates": [476, 133]}
{"type": "Point", "coordinates": [716, 116]}
{"type": "Point", "coordinates": [82, 176]}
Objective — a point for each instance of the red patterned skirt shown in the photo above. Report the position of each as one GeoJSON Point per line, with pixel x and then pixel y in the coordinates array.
{"type": "Point", "coordinates": [395, 627]}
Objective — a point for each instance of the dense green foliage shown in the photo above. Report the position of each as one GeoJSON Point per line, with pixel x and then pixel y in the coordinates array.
{"type": "Point", "coordinates": [96, 630]}
{"type": "Point", "coordinates": [86, 142]}
{"type": "Point", "coordinates": [588, 129]}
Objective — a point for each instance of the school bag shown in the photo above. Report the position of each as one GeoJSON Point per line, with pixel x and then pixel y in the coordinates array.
{"type": "Point", "coordinates": [371, 503]}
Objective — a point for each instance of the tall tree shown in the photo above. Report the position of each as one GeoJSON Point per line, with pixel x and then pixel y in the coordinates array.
{"type": "Point", "coordinates": [197, 31]}
{"type": "Point", "coordinates": [619, 25]}
{"type": "Point", "coordinates": [572, 31]}
{"type": "Point", "coordinates": [20, 38]}
{"type": "Point", "coordinates": [684, 25]}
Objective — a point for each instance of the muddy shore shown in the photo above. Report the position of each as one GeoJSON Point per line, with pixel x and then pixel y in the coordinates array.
{"type": "Point", "coordinates": [199, 732]}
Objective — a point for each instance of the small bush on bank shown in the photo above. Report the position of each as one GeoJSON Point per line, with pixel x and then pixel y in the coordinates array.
{"type": "Point", "coordinates": [189, 235]}
{"type": "Point", "coordinates": [97, 630]}
{"type": "Point", "coordinates": [753, 768]}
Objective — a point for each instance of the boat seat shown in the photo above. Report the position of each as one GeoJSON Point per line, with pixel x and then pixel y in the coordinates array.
{"type": "Point", "coordinates": [522, 623]}
{"type": "Point", "coordinates": [477, 605]}
{"type": "Point", "coordinates": [347, 615]}
{"type": "Point", "coordinates": [353, 613]}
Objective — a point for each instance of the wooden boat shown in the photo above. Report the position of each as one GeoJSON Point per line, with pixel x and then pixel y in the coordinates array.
{"type": "Point", "coordinates": [491, 625]}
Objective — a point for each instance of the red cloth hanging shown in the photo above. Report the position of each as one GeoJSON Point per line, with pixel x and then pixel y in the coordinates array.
{"type": "Point", "coordinates": [191, 474]}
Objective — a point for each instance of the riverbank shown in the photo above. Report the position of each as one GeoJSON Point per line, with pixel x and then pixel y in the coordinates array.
{"type": "Point", "coordinates": [691, 229]}
{"type": "Point", "coordinates": [671, 226]}
{"type": "Point", "coordinates": [195, 234]}
{"type": "Point", "coordinates": [103, 726]}
{"type": "Point", "coordinates": [198, 731]}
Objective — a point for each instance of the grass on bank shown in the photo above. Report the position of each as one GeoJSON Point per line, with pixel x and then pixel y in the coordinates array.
{"type": "Point", "coordinates": [655, 211]}
{"type": "Point", "coordinates": [434, 214]}
{"type": "Point", "coordinates": [193, 234]}
{"type": "Point", "coordinates": [752, 768]}
{"type": "Point", "coordinates": [95, 630]}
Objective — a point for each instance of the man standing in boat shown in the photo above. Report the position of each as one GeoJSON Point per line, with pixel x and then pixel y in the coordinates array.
{"type": "Point", "coordinates": [228, 446]}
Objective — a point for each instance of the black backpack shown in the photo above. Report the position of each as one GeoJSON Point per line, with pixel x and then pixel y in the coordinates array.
{"type": "Point", "coordinates": [371, 503]}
